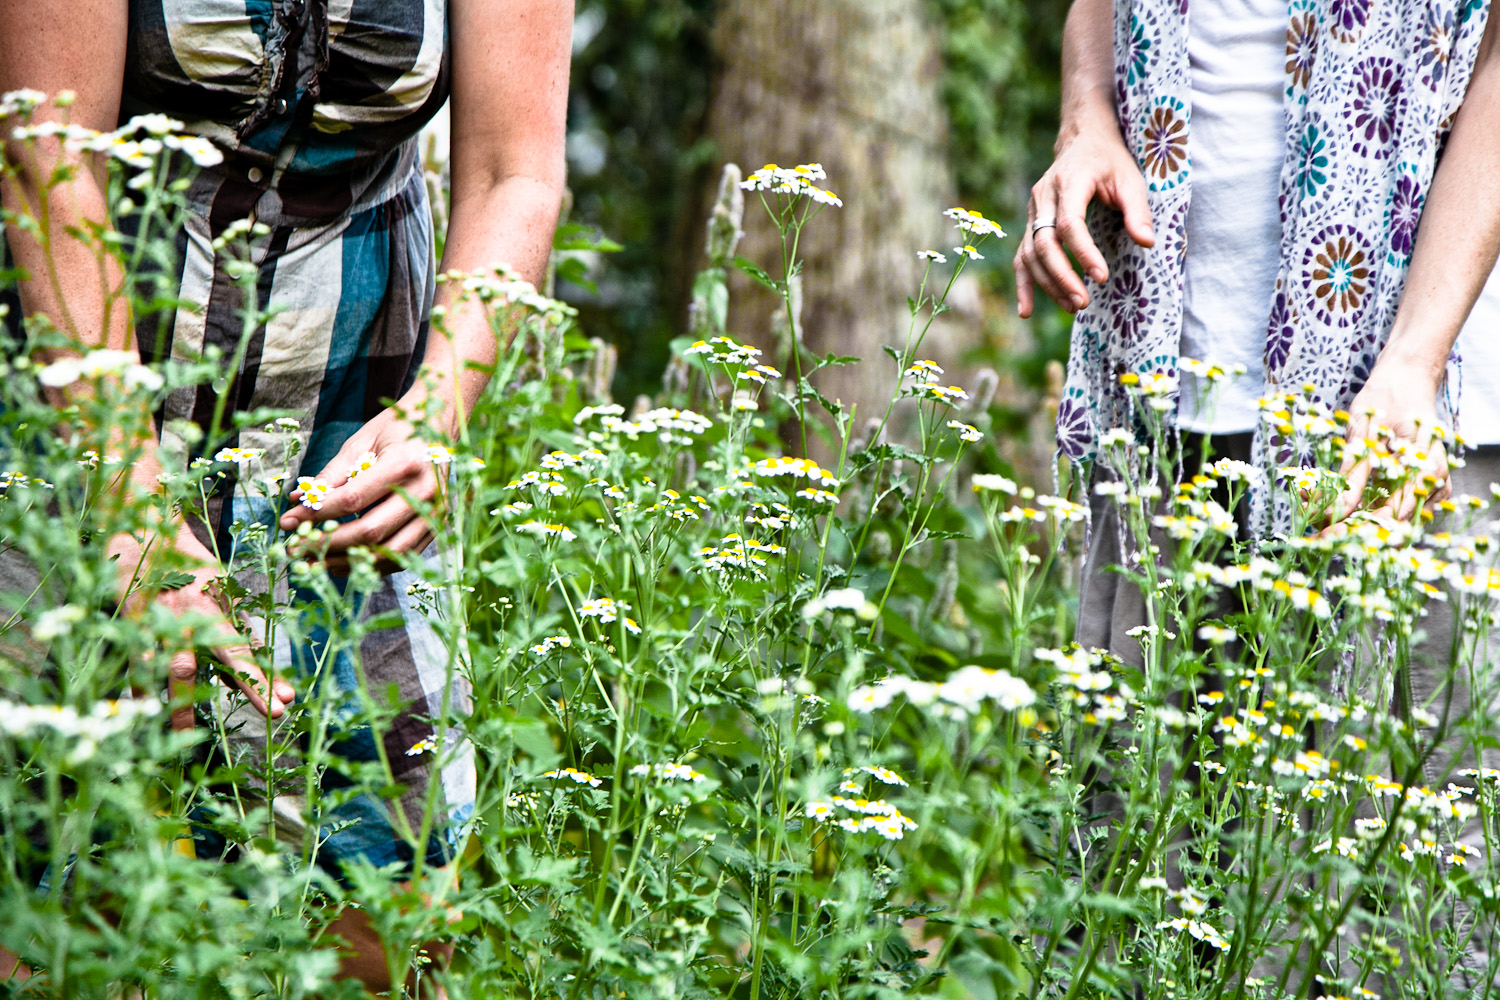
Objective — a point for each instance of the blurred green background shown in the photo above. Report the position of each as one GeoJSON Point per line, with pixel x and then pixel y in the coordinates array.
{"type": "Point", "coordinates": [644, 150]}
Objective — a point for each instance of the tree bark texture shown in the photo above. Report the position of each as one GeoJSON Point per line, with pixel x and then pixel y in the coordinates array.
{"type": "Point", "coordinates": [854, 85]}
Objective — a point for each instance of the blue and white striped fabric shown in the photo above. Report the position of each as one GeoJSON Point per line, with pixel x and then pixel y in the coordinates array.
{"type": "Point", "coordinates": [316, 104]}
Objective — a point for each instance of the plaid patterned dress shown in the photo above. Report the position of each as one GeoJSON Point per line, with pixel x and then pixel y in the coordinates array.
{"type": "Point", "coordinates": [316, 105]}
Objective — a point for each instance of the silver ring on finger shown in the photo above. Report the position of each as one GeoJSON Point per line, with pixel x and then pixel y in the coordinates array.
{"type": "Point", "coordinates": [1045, 222]}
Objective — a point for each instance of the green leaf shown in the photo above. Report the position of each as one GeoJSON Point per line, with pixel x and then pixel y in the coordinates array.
{"type": "Point", "coordinates": [575, 236]}
{"type": "Point", "coordinates": [758, 273]}
{"type": "Point", "coordinates": [168, 580]}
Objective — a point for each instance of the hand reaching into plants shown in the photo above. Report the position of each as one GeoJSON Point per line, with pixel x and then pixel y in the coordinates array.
{"type": "Point", "coordinates": [382, 461]}
{"type": "Point", "coordinates": [1091, 163]}
{"type": "Point", "coordinates": [198, 598]}
{"type": "Point", "coordinates": [1394, 414]}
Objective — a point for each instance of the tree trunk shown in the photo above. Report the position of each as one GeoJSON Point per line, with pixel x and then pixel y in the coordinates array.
{"type": "Point", "coordinates": [854, 85]}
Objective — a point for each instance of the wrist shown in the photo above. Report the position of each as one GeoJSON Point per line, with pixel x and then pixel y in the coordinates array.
{"type": "Point", "coordinates": [1414, 359]}
{"type": "Point", "coordinates": [1089, 115]}
{"type": "Point", "coordinates": [431, 407]}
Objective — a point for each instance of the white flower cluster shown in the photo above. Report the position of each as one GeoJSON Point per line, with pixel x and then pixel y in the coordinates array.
{"type": "Point", "coordinates": [562, 460]}
{"type": "Point", "coordinates": [850, 599]}
{"type": "Point", "coordinates": [543, 530]}
{"type": "Point", "coordinates": [97, 364]}
{"type": "Point", "coordinates": [56, 622]}
{"type": "Point", "coordinates": [669, 772]}
{"type": "Point", "coordinates": [608, 610]}
{"type": "Point", "coordinates": [314, 491]}
{"type": "Point", "coordinates": [967, 433]}
{"type": "Point", "coordinates": [797, 468]}
{"type": "Point", "coordinates": [574, 775]}
{"type": "Point", "coordinates": [961, 694]}
{"type": "Point", "coordinates": [1197, 929]}
{"type": "Point", "coordinates": [775, 516]}
{"type": "Point", "coordinates": [987, 483]}
{"type": "Point", "coordinates": [973, 222]}
{"type": "Point", "coordinates": [122, 144]}
{"type": "Point", "coordinates": [796, 181]}
{"type": "Point", "coordinates": [550, 643]}
{"type": "Point", "coordinates": [759, 374]}
{"type": "Point", "coordinates": [669, 425]}
{"type": "Point", "coordinates": [364, 463]}
{"type": "Point", "coordinates": [869, 815]}
{"type": "Point", "coordinates": [1210, 372]}
{"type": "Point", "coordinates": [546, 482]}
{"type": "Point", "coordinates": [946, 395]}
{"type": "Point", "coordinates": [20, 103]}
{"type": "Point", "coordinates": [14, 478]}
{"type": "Point", "coordinates": [736, 552]}
{"type": "Point", "coordinates": [505, 285]}
{"type": "Point", "coordinates": [237, 455]}
{"type": "Point", "coordinates": [724, 351]}
{"type": "Point", "coordinates": [1159, 388]}
{"type": "Point", "coordinates": [103, 720]}
{"type": "Point", "coordinates": [923, 371]}
{"type": "Point", "coordinates": [884, 775]}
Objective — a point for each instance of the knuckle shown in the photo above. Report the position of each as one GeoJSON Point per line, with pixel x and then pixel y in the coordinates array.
{"type": "Point", "coordinates": [360, 534]}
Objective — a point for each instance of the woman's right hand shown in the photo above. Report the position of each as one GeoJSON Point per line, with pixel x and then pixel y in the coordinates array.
{"type": "Point", "coordinates": [1091, 163]}
{"type": "Point", "coordinates": [197, 599]}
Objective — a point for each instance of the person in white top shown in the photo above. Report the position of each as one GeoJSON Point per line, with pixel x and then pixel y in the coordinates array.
{"type": "Point", "coordinates": [1237, 52]}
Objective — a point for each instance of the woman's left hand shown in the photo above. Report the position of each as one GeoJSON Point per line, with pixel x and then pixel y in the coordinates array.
{"type": "Point", "coordinates": [1395, 411]}
{"type": "Point", "coordinates": [386, 522]}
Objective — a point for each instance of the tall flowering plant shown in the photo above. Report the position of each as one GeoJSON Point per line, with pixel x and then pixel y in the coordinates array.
{"type": "Point", "coordinates": [749, 723]}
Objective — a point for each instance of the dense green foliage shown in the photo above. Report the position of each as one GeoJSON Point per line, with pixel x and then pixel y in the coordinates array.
{"type": "Point", "coordinates": [746, 726]}
{"type": "Point", "coordinates": [642, 167]}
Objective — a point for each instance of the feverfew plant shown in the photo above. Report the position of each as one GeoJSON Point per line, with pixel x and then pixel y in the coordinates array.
{"type": "Point", "coordinates": [753, 720]}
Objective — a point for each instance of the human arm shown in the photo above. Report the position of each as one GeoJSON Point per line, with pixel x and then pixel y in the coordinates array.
{"type": "Point", "coordinates": [41, 48]}
{"type": "Point", "coordinates": [510, 81]}
{"type": "Point", "coordinates": [1090, 162]}
{"type": "Point", "coordinates": [1457, 242]}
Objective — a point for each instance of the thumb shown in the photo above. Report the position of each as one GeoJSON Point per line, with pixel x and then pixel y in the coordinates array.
{"type": "Point", "coordinates": [182, 679]}
{"type": "Point", "coordinates": [1129, 189]}
{"type": "Point", "coordinates": [335, 474]}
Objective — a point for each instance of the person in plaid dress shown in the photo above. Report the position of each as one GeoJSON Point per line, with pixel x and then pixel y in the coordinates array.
{"type": "Point", "coordinates": [316, 105]}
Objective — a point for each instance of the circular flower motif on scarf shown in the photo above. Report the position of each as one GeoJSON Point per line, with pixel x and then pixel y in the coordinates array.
{"type": "Point", "coordinates": [1346, 19]}
{"type": "Point", "coordinates": [1373, 109]}
{"type": "Point", "coordinates": [1437, 44]}
{"type": "Point", "coordinates": [1301, 48]}
{"type": "Point", "coordinates": [1129, 303]}
{"type": "Point", "coordinates": [1142, 44]}
{"type": "Point", "coordinates": [1336, 269]}
{"type": "Point", "coordinates": [1164, 148]}
{"type": "Point", "coordinates": [1280, 333]}
{"type": "Point", "coordinates": [1405, 212]}
{"type": "Point", "coordinates": [1075, 434]}
{"type": "Point", "coordinates": [1312, 160]}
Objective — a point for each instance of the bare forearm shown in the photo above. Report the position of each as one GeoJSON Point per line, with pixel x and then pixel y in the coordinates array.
{"type": "Point", "coordinates": [1088, 68]}
{"type": "Point", "coordinates": [71, 281]}
{"type": "Point", "coordinates": [1459, 237]}
{"type": "Point", "coordinates": [512, 223]}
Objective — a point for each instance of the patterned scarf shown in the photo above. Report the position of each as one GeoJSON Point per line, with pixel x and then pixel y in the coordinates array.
{"type": "Point", "coordinates": [1372, 87]}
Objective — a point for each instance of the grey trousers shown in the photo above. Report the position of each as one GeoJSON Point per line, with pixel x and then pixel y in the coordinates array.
{"type": "Point", "coordinates": [1110, 605]}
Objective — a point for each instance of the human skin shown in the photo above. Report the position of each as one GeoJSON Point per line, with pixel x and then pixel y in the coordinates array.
{"type": "Point", "coordinates": [509, 63]}
{"type": "Point", "coordinates": [1456, 247]}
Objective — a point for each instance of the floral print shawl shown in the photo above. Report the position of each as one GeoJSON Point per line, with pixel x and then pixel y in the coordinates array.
{"type": "Point", "coordinates": [1372, 87]}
